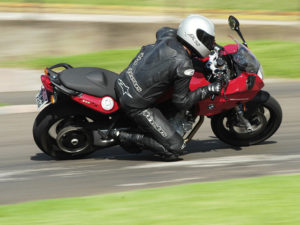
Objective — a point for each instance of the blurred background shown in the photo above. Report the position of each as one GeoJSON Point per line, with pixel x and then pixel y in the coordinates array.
{"type": "Point", "coordinates": [37, 33]}
{"type": "Point", "coordinates": [108, 34]}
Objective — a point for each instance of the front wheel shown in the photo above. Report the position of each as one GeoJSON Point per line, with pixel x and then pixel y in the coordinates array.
{"type": "Point", "coordinates": [265, 120]}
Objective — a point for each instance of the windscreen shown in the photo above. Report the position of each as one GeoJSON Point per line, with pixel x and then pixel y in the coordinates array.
{"type": "Point", "coordinates": [245, 60]}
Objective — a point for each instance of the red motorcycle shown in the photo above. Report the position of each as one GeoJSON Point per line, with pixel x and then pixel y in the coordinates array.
{"type": "Point", "coordinates": [80, 106]}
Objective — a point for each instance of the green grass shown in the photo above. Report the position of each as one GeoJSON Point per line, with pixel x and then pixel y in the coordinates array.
{"type": "Point", "coordinates": [260, 201]}
{"type": "Point", "coordinates": [279, 59]}
{"type": "Point", "coordinates": [115, 60]}
{"type": "Point", "coordinates": [274, 5]}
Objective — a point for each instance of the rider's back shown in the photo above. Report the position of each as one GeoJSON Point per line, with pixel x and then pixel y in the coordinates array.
{"type": "Point", "coordinates": [154, 69]}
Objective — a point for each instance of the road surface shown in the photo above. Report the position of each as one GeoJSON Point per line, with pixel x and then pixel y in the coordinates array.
{"type": "Point", "coordinates": [27, 174]}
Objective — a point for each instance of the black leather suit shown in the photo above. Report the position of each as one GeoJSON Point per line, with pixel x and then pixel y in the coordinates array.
{"type": "Point", "coordinates": [156, 68]}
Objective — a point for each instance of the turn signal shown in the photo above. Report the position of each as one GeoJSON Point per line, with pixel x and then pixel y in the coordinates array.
{"type": "Point", "coordinates": [52, 99]}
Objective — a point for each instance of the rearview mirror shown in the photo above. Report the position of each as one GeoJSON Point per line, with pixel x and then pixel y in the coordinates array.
{"type": "Point", "coordinates": [233, 23]}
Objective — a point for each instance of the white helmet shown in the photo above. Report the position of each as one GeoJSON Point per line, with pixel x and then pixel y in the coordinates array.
{"type": "Point", "coordinates": [198, 34]}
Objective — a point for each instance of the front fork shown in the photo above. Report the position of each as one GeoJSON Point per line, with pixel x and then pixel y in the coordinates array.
{"type": "Point", "coordinates": [260, 98]}
{"type": "Point", "coordinates": [239, 109]}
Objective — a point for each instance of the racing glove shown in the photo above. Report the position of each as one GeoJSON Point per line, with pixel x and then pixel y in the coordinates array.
{"type": "Point", "coordinates": [184, 99]}
{"type": "Point", "coordinates": [214, 88]}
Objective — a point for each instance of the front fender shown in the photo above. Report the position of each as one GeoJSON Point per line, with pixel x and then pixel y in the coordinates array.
{"type": "Point", "coordinates": [261, 97]}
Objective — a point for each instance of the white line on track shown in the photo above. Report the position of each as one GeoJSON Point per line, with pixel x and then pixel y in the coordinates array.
{"type": "Point", "coordinates": [13, 174]}
{"type": "Point", "coordinates": [76, 171]}
{"type": "Point", "coordinates": [160, 182]}
{"type": "Point", "coordinates": [286, 171]}
{"type": "Point", "coordinates": [218, 161]}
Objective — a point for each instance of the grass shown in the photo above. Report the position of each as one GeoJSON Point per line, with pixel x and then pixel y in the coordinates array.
{"type": "Point", "coordinates": [259, 201]}
{"type": "Point", "coordinates": [115, 60]}
{"type": "Point", "coordinates": [273, 5]}
{"type": "Point", "coordinates": [278, 58]}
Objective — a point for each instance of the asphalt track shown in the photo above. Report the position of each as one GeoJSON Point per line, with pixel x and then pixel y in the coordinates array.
{"type": "Point", "coordinates": [27, 174]}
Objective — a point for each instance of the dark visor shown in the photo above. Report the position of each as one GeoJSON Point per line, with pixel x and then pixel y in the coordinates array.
{"type": "Point", "coordinates": [207, 39]}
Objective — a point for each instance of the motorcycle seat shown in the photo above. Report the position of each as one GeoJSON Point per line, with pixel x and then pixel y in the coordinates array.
{"type": "Point", "coordinates": [90, 80]}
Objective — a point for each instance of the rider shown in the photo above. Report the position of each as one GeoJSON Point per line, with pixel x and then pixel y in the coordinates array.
{"type": "Point", "coordinates": [157, 67]}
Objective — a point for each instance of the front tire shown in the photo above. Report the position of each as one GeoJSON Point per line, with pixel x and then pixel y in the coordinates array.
{"type": "Point", "coordinates": [57, 132]}
{"type": "Point", "coordinates": [265, 118]}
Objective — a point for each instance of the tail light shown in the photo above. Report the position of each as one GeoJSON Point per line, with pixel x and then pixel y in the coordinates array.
{"type": "Point", "coordinates": [47, 83]}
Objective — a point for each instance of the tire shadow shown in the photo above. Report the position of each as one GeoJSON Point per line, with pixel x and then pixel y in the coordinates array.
{"type": "Point", "coordinates": [117, 153]}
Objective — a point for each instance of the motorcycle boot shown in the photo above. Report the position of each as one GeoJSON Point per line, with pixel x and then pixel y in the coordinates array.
{"type": "Point", "coordinates": [144, 142]}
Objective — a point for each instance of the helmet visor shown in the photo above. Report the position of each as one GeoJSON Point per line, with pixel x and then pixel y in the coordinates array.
{"type": "Point", "coordinates": [207, 39]}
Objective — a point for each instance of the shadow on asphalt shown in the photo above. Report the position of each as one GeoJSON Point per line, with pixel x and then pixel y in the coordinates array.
{"type": "Point", "coordinates": [117, 153]}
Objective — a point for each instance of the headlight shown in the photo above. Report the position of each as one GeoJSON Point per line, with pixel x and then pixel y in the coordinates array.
{"type": "Point", "coordinates": [260, 72]}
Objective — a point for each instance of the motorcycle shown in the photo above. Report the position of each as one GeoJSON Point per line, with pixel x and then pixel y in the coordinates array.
{"type": "Point", "coordinates": [80, 107]}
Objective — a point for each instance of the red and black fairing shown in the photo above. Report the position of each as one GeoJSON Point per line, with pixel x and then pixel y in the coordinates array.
{"type": "Point", "coordinates": [96, 103]}
{"type": "Point", "coordinates": [239, 90]}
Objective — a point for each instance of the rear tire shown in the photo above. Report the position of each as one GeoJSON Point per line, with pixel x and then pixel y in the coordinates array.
{"type": "Point", "coordinates": [58, 118]}
{"type": "Point", "coordinates": [224, 128]}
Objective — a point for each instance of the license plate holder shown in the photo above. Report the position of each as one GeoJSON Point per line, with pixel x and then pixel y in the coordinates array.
{"type": "Point", "coordinates": [41, 98]}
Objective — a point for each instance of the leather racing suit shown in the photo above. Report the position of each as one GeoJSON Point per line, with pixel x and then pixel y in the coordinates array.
{"type": "Point", "coordinates": [156, 68]}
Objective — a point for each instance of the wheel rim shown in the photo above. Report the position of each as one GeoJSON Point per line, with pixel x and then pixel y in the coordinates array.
{"type": "Point", "coordinates": [68, 134]}
{"type": "Point", "coordinates": [258, 119]}
{"type": "Point", "coordinates": [271, 111]}
{"type": "Point", "coordinates": [73, 139]}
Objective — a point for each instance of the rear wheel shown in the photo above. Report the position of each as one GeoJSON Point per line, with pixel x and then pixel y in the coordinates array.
{"type": "Point", "coordinates": [58, 131]}
{"type": "Point", "coordinates": [265, 119]}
